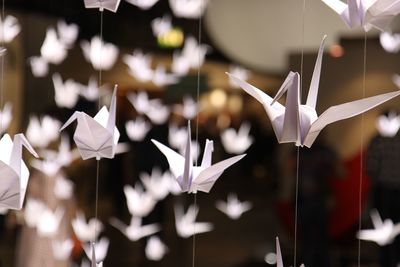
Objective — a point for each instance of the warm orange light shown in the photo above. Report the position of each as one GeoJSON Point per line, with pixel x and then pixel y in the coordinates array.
{"type": "Point", "coordinates": [336, 50]}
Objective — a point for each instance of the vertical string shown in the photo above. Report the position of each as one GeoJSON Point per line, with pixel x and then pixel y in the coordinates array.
{"type": "Point", "coordinates": [194, 233]}
{"type": "Point", "coordinates": [298, 148]}
{"type": "Point", "coordinates": [2, 68]}
{"type": "Point", "coordinates": [362, 150]}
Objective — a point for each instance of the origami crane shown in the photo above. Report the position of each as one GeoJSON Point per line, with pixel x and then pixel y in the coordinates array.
{"type": "Point", "coordinates": [39, 66]}
{"type": "Point", "coordinates": [49, 221]}
{"type": "Point", "coordinates": [139, 202]}
{"type": "Point", "coordinates": [161, 26]}
{"type": "Point", "coordinates": [32, 208]}
{"type": "Point", "coordinates": [68, 32]}
{"type": "Point", "coordinates": [111, 5]}
{"type": "Point", "coordinates": [53, 50]}
{"type": "Point", "coordinates": [195, 178]}
{"type": "Point", "coordinates": [185, 223]}
{"type": "Point", "coordinates": [97, 251]}
{"type": "Point", "coordinates": [135, 230]}
{"type": "Point", "coordinates": [239, 72]}
{"type": "Point", "coordinates": [139, 65]}
{"type": "Point", "coordinates": [62, 249]}
{"type": "Point", "coordinates": [96, 137]}
{"type": "Point", "coordinates": [86, 231]}
{"type": "Point", "coordinates": [66, 94]}
{"type": "Point", "coordinates": [14, 173]}
{"type": "Point", "coordinates": [236, 142]}
{"type": "Point", "coordinates": [157, 184]}
{"type": "Point", "coordinates": [155, 249]}
{"type": "Point", "coordinates": [384, 233]}
{"type": "Point", "coordinates": [390, 42]}
{"type": "Point", "coordinates": [143, 4]}
{"type": "Point", "coordinates": [9, 28]}
{"type": "Point", "coordinates": [41, 132]}
{"type": "Point", "coordinates": [389, 125]}
{"type": "Point", "coordinates": [233, 208]}
{"type": "Point", "coordinates": [137, 129]}
{"type": "Point", "coordinates": [279, 261]}
{"type": "Point", "coordinates": [190, 9]}
{"type": "Point", "coordinates": [366, 13]}
{"type": "Point", "coordinates": [100, 54]}
{"type": "Point", "coordinates": [298, 123]}
{"type": "Point", "coordinates": [158, 113]}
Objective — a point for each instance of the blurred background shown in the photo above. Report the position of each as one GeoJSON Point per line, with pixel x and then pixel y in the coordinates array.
{"type": "Point", "coordinates": [257, 39]}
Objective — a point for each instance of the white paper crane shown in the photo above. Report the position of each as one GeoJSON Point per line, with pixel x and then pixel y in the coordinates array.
{"type": "Point", "coordinates": [14, 173]}
{"type": "Point", "coordinates": [161, 26]}
{"type": "Point", "coordinates": [185, 223]}
{"type": "Point", "coordinates": [9, 28]}
{"type": "Point", "coordinates": [32, 208]}
{"type": "Point", "coordinates": [91, 91]}
{"type": "Point", "coordinates": [93, 259]}
{"type": "Point", "coordinates": [135, 230]}
{"type": "Point", "coordinates": [96, 137]}
{"type": "Point", "coordinates": [389, 125]}
{"type": "Point", "coordinates": [100, 54]}
{"type": "Point", "coordinates": [139, 202]}
{"type": "Point", "coordinates": [195, 178]}
{"type": "Point", "coordinates": [233, 208]}
{"type": "Point", "coordinates": [279, 260]}
{"type": "Point", "coordinates": [66, 94]}
{"type": "Point", "coordinates": [86, 231]}
{"type": "Point", "coordinates": [390, 42]}
{"type": "Point", "coordinates": [139, 66]}
{"type": "Point", "coordinates": [63, 188]}
{"type": "Point", "coordinates": [68, 32]}
{"type": "Point", "coordinates": [62, 249]}
{"type": "Point", "coordinates": [239, 72]}
{"type": "Point", "coordinates": [137, 129]}
{"type": "Point", "coordinates": [64, 155]}
{"type": "Point", "coordinates": [162, 78]}
{"type": "Point", "coordinates": [5, 117]}
{"type": "Point", "coordinates": [111, 5]}
{"type": "Point", "coordinates": [49, 167]}
{"type": "Point", "coordinates": [53, 50]}
{"type": "Point", "coordinates": [157, 112]}
{"type": "Point", "coordinates": [188, 109]}
{"type": "Point", "coordinates": [42, 132]}
{"type": "Point", "coordinates": [39, 66]}
{"type": "Point", "coordinates": [237, 142]}
{"type": "Point", "coordinates": [100, 249]}
{"type": "Point", "coordinates": [140, 101]}
{"type": "Point", "coordinates": [366, 13]}
{"type": "Point", "coordinates": [177, 136]}
{"type": "Point", "coordinates": [157, 184]}
{"type": "Point", "coordinates": [155, 249]}
{"type": "Point", "coordinates": [194, 53]}
{"type": "Point", "coordinates": [189, 9]}
{"type": "Point", "coordinates": [384, 232]}
{"type": "Point", "coordinates": [300, 124]}
{"type": "Point", "coordinates": [180, 64]}
{"type": "Point", "coordinates": [49, 221]}
{"type": "Point", "coordinates": [143, 4]}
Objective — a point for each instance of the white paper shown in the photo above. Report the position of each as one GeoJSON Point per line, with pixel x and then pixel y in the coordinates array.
{"type": "Point", "coordinates": [389, 125]}
{"type": "Point", "coordinates": [366, 13]}
{"type": "Point", "coordinates": [139, 202]}
{"type": "Point", "coordinates": [161, 26]}
{"type": "Point", "coordinates": [9, 28]}
{"type": "Point", "coordinates": [68, 32]}
{"type": "Point", "coordinates": [48, 167]}
{"type": "Point", "coordinates": [157, 112]}
{"type": "Point", "coordinates": [100, 54]}
{"type": "Point", "coordinates": [390, 42]}
{"type": "Point", "coordinates": [39, 66]}
{"type": "Point", "coordinates": [53, 50]}
{"type": "Point", "coordinates": [233, 208]}
{"type": "Point", "coordinates": [111, 5]}
{"type": "Point", "coordinates": [62, 249]}
{"type": "Point", "coordinates": [157, 184]}
{"type": "Point", "coordinates": [140, 101]}
{"type": "Point", "coordinates": [139, 65]}
{"type": "Point", "coordinates": [5, 117]}
{"type": "Point", "coordinates": [137, 129]}
{"type": "Point", "coordinates": [66, 94]}
{"type": "Point", "coordinates": [100, 249]}
{"type": "Point", "coordinates": [49, 221]}
{"type": "Point", "coordinates": [41, 133]}
{"type": "Point", "coordinates": [189, 9]}
{"type": "Point", "coordinates": [96, 137]}
{"type": "Point", "coordinates": [155, 249]}
{"type": "Point", "coordinates": [135, 230]}
{"type": "Point", "coordinates": [15, 174]}
{"type": "Point", "coordinates": [161, 78]}
{"type": "Point", "coordinates": [143, 4]}
{"type": "Point", "coordinates": [300, 124]}
{"type": "Point", "coordinates": [279, 261]}
{"type": "Point", "coordinates": [63, 188]}
{"type": "Point", "coordinates": [32, 208]}
{"type": "Point", "coordinates": [239, 72]}
{"type": "Point", "coordinates": [237, 142]}
{"type": "Point", "coordinates": [185, 223]}
{"type": "Point", "coordinates": [86, 231]}
{"type": "Point", "coordinates": [188, 109]}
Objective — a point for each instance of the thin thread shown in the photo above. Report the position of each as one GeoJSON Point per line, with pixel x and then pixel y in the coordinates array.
{"type": "Point", "coordinates": [97, 194]}
{"type": "Point", "coordinates": [194, 233]}
{"type": "Point", "coordinates": [198, 79]}
{"type": "Point", "coordinates": [2, 68]}
{"type": "Point", "coordinates": [298, 148]}
{"type": "Point", "coordinates": [362, 148]}
{"type": "Point", "coordinates": [100, 56]}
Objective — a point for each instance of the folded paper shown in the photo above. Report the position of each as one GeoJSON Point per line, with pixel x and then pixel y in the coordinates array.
{"type": "Point", "coordinates": [111, 5]}
{"type": "Point", "coordinates": [135, 230]}
{"type": "Point", "coordinates": [233, 208]}
{"type": "Point", "coordinates": [185, 223]}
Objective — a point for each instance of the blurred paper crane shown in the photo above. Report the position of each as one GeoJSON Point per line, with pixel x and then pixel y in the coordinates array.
{"type": "Point", "coordinates": [162, 78]}
{"type": "Point", "coordinates": [68, 33]}
{"type": "Point", "coordinates": [66, 94]}
{"type": "Point", "coordinates": [239, 72]}
{"type": "Point", "coordinates": [42, 132]}
{"type": "Point", "coordinates": [155, 249]}
{"type": "Point", "coordinates": [91, 91]}
{"type": "Point", "coordinates": [63, 188]}
{"type": "Point", "coordinates": [195, 178]}
{"type": "Point", "coordinates": [39, 66]}
{"type": "Point", "coordinates": [135, 230]}
{"type": "Point", "coordinates": [189, 9]}
{"type": "Point", "coordinates": [143, 4]}
{"type": "Point", "coordinates": [157, 184]}
{"type": "Point", "coordinates": [100, 249]}
{"type": "Point", "coordinates": [188, 109]}
{"type": "Point", "coordinates": [49, 221]}
{"type": "Point", "coordinates": [15, 174]}
{"type": "Point", "coordinates": [180, 65]}
{"type": "Point", "coordinates": [237, 142]}
{"type": "Point", "coordinates": [177, 136]}
{"type": "Point", "coordinates": [100, 54]}
{"type": "Point", "coordinates": [140, 101]}
{"type": "Point", "coordinates": [186, 224]}
{"type": "Point", "coordinates": [233, 208]}
{"type": "Point", "coordinates": [389, 125]}
{"type": "Point", "coordinates": [139, 202]}
{"type": "Point", "coordinates": [366, 13]}
{"type": "Point", "coordinates": [9, 28]}
{"type": "Point", "coordinates": [53, 50]}
{"type": "Point", "coordinates": [139, 66]}
{"type": "Point", "coordinates": [384, 232]}
{"type": "Point", "coordinates": [111, 5]}
{"type": "Point", "coordinates": [390, 42]}
{"type": "Point", "coordinates": [137, 129]}
{"type": "Point", "coordinates": [49, 167]}
{"type": "Point", "coordinates": [300, 124]}
{"type": "Point", "coordinates": [33, 207]}
{"type": "Point", "coordinates": [161, 26]}
{"type": "Point", "coordinates": [86, 231]}
{"type": "Point", "coordinates": [64, 155]}
{"type": "Point", "coordinates": [5, 117]}
{"type": "Point", "coordinates": [158, 113]}
{"type": "Point", "coordinates": [96, 137]}
{"type": "Point", "coordinates": [62, 249]}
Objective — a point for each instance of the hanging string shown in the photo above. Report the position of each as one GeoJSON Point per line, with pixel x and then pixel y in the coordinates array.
{"type": "Point", "coordinates": [2, 67]}
{"type": "Point", "coordinates": [362, 150]}
{"type": "Point", "coordinates": [298, 148]}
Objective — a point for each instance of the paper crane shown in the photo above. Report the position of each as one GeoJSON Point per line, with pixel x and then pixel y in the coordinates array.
{"type": "Point", "coordinates": [300, 124]}
{"type": "Point", "coordinates": [14, 173]}
{"type": "Point", "coordinates": [96, 137]}
{"type": "Point", "coordinates": [111, 5]}
{"type": "Point", "coordinates": [195, 178]}
{"type": "Point", "coordinates": [366, 13]}
{"type": "Point", "coordinates": [233, 208]}
{"type": "Point", "coordinates": [185, 222]}
{"type": "Point", "coordinates": [279, 261]}
{"type": "Point", "coordinates": [135, 230]}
